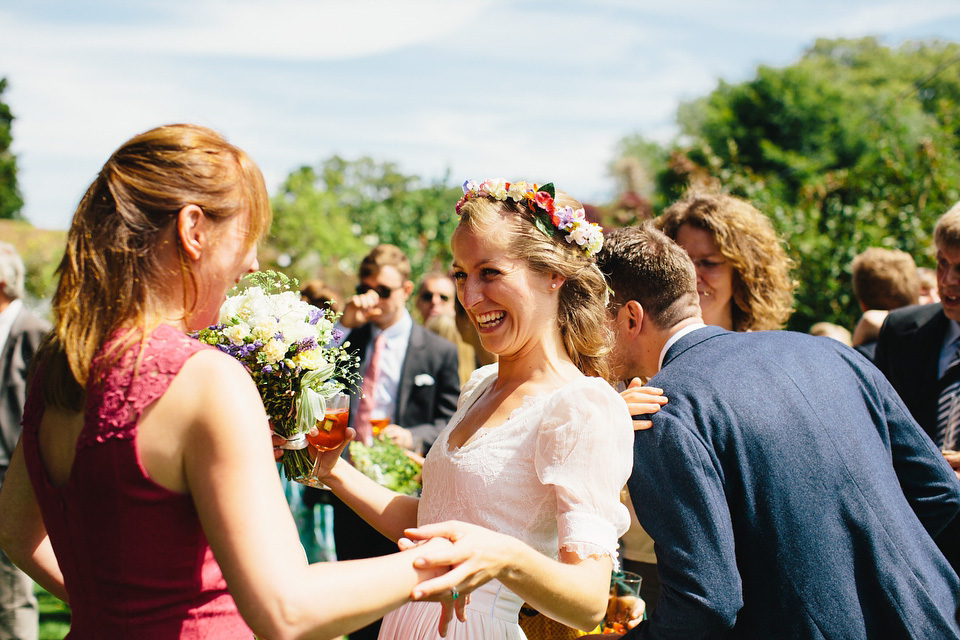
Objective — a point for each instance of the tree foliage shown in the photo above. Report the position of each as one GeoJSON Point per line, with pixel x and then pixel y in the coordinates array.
{"type": "Point", "coordinates": [10, 199]}
{"type": "Point", "coordinates": [327, 217]}
{"type": "Point", "coordinates": [855, 145]}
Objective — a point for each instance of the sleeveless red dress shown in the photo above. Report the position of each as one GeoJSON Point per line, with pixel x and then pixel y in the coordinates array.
{"type": "Point", "coordinates": [135, 560]}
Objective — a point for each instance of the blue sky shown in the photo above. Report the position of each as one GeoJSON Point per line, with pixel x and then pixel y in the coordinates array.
{"type": "Point", "coordinates": [536, 90]}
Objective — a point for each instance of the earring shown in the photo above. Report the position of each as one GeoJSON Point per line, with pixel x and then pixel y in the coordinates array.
{"type": "Point", "coordinates": [553, 286]}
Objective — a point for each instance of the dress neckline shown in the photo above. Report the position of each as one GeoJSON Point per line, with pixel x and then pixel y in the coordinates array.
{"type": "Point", "coordinates": [525, 404]}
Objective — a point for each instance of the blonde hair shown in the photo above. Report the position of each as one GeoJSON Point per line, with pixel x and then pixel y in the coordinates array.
{"type": "Point", "coordinates": [762, 284]}
{"type": "Point", "coordinates": [112, 266]}
{"type": "Point", "coordinates": [947, 231]}
{"type": "Point", "coordinates": [581, 309]}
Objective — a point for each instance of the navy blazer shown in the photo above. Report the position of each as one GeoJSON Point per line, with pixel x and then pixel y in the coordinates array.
{"type": "Point", "coordinates": [790, 494]}
{"type": "Point", "coordinates": [429, 382]}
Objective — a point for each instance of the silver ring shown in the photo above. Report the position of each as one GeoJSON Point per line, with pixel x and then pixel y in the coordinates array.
{"type": "Point", "coordinates": [454, 593]}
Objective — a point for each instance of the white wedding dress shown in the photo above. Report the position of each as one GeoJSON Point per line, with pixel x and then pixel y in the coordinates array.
{"type": "Point", "coordinates": [550, 475]}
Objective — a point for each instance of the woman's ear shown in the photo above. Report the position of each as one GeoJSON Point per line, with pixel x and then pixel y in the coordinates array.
{"type": "Point", "coordinates": [190, 230]}
{"type": "Point", "coordinates": [556, 280]}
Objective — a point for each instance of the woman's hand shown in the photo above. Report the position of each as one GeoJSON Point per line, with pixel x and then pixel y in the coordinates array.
{"type": "Point", "coordinates": [477, 556]}
{"type": "Point", "coordinates": [454, 603]}
{"type": "Point", "coordinates": [278, 442]}
{"type": "Point", "coordinates": [641, 401]}
{"type": "Point", "coordinates": [324, 461]}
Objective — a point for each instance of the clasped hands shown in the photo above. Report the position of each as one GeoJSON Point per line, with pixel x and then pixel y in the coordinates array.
{"type": "Point", "coordinates": [473, 556]}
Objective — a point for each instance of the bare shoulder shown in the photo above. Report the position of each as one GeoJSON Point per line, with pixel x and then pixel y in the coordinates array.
{"type": "Point", "coordinates": [212, 381]}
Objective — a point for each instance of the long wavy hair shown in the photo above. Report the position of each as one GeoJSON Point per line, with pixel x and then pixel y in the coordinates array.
{"type": "Point", "coordinates": [581, 312]}
{"type": "Point", "coordinates": [762, 283]}
{"type": "Point", "coordinates": [111, 269]}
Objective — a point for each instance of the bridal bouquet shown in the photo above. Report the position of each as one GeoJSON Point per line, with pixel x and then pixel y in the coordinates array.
{"type": "Point", "coordinates": [284, 343]}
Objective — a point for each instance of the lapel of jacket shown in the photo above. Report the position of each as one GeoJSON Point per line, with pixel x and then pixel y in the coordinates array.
{"type": "Point", "coordinates": [11, 344]}
{"type": "Point", "coordinates": [929, 341]}
{"type": "Point", "coordinates": [408, 369]}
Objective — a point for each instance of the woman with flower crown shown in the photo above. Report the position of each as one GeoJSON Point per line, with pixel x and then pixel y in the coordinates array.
{"type": "Point", "coordinates": [525, 479]}
{"type": "Point", "coordinates": [143, 491]}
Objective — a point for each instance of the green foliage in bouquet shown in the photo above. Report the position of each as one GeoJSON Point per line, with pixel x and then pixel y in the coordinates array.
{"type": "Point", "coordinates": [284, 343]}
{"type": "Point", "coordinates": [387, 464]}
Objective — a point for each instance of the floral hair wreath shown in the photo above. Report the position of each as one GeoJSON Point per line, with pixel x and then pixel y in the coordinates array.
{"type": "Point", "coordinates": [546, 215]}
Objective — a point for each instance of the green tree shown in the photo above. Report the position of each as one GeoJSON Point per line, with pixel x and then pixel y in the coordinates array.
{"type": "Point", "coordinates": [327, 217]}
{"type": "Point", "coordinates": [853, 146]}
{"type": "Point", "coordinates": [10, 199]}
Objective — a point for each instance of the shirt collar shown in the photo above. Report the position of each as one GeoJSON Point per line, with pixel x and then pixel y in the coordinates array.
{"type": "Point", "coordinates": [401, 327]}
{"type": "Point", "coordinates": [673, 339]}
{"type": "Point", "coordinates": [953, 332]}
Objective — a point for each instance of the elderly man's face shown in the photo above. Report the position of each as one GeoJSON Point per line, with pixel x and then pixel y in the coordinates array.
{"type": "Point", "coordinates": [436, 298]}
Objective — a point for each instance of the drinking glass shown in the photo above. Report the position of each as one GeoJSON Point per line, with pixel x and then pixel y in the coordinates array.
{"type": "Point", "coordinates": [624, 597]}
{"type": "Point", "coordinates": [333, 428]}
{"type": "Point", "coordinates": [378, 421]}
{"type": "Point", "coordinates": [331, 432]}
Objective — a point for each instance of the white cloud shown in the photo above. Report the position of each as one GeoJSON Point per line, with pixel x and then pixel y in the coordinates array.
{"type": "Point", "coordinates": [285, 29]}
{"type": "Point", "coordinates": [482, 87]}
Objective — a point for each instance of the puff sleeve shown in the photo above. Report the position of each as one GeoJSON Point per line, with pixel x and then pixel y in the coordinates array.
{"type": "Point", "coordinates": [585, 451]}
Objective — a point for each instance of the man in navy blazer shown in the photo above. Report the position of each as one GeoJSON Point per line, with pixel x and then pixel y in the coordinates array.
{"type": "Point", "coordinates": [788, 490]}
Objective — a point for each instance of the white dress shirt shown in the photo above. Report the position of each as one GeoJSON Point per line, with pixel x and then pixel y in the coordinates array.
{"type": "Point", "coordinates": [7, 316]}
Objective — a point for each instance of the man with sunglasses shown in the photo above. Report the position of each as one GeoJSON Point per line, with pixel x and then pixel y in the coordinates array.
{"type": "Point", "coordinates": [416, 384]}
{"type": "Point", "coordinates": [435, 296]}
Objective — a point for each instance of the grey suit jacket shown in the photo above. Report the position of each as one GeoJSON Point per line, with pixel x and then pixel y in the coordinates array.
{"type": "Point", "coordinates": [790, 494]}
{"type": "Point", "coordinates": [25, 336]}
{"type": "Point", "coordinates": [429, 383]}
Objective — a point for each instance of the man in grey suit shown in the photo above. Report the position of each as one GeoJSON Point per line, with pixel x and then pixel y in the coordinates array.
{"type": "Point", "coordinates": [411, 382]}
{"type": "Point", "coordinates": [788, 490]}
{"type": "Point", "coordinates": [20, 335]}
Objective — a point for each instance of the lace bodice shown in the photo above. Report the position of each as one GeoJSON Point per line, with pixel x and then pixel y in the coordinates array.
{"type": "Point", "coordinates": [135, 560]}
{"type": "Point", "coordinates": [550, 475]}
{"type": "Point", "coordinates": [120, 390]}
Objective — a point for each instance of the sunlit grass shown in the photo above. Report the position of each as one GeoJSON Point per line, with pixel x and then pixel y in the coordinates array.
{"type": "Point", "coordinates": [54, 616]}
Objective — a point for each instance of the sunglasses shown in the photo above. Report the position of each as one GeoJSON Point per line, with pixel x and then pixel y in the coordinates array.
{"type": "Point", "coordinates": [427, 296]}
{"type": "Point", "coordinates": [383, 290]}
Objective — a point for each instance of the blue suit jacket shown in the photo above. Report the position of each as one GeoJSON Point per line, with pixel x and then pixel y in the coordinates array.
{"type": "Point", "coordinates": [791, 495]}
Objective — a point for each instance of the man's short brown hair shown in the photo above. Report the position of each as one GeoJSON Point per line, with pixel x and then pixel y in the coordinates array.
{"type": "Point", "coordinates": [385, 255]}
{"type": "Point", "coordinates": [643, 264]}
{"type": "Point", "coordinates": [885, 279]}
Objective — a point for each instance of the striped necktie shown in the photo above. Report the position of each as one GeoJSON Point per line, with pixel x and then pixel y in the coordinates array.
{"type": "Point", "coordinates": [948, 411]}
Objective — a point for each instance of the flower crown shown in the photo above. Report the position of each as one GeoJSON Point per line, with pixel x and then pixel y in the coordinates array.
{"type": "Point", "coordinates": [588, 235]}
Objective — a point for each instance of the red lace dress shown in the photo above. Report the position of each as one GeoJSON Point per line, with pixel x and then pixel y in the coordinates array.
{"type": "Point", "coordinates": [135, 560]}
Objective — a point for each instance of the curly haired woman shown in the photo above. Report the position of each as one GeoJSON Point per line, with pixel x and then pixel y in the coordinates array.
{"type": "Point", "coordinates": [743, 271]}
